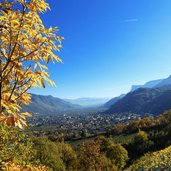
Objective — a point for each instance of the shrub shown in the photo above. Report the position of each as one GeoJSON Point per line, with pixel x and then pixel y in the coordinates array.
{"type": "Point", "coordinates": [141, 137]}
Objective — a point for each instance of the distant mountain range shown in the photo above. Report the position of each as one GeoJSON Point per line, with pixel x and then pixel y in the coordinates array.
{"type": "Point", "coordinates": [88, 102]}
{"type": "Point", "coordinates": [49, 105]}
{"type": "Point", "coordinates": [153, 97]}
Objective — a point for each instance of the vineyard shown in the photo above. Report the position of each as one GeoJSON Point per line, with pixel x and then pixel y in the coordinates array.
{"type": "Point", "coordinates": [153, 161]}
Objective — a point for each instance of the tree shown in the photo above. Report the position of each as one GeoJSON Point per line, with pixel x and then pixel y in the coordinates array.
{"type": "Point", "coordinates": [141, 137]}
{"type": "Point", "coordinates": [26, 47]}
{"type": "Point", "coordinates": [48, 154]}
{"type": "Point", "coordinates": [91, 158]}
{"type": "Point", "coordinates": [165, 118]}
{"type": "Point", "coordinates": [67, 155]}
{"type": "Point", "coordinates": [16, 148]}
{"type": "Point", "coordinates": [118, 129]}
{"type": "Point", "coordinates": [118, 155]}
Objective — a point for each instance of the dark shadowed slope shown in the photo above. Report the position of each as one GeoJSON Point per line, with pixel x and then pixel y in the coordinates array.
{"type": "Point", "coordinates": [113, 101]}
{"type": "Point", "coordinates": [144, 100]}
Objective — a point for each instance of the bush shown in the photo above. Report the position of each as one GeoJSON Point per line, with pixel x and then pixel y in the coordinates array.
{"type": "Point", "coordinates": [16, 147]}
{"type": "Point", "coordinates": [141, 137]}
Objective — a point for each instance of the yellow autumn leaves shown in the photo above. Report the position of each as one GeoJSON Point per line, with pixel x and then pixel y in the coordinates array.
{"type": "Point", "coordinates": [153, 161]}
{"type": "Point", "coordinates": [26, 47]}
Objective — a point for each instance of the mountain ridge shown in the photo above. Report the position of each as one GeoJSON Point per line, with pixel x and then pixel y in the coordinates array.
{"type": "Point", "coordinates": [150, 84]}
{"type": "Point", "coordinates": [153, 83]}
{"type": "Point", "coordinates": [48, 104]}
{"type": "Point", "coordinates": [144, 100]}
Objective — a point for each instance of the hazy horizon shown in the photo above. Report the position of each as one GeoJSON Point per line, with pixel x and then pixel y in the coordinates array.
{"type": "Point", "coordinates": [95, 97]}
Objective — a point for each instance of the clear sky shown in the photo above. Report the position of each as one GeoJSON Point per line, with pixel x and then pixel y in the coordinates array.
{"type": "Point", "coordinates": [109, 45]}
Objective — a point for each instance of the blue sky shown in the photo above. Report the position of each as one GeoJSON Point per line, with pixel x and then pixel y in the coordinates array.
{"type": "Point", "coordinates": [109, 45]}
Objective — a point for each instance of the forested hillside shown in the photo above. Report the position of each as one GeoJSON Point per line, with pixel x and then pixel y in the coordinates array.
{"type": "Point", "coordinates": [123, 147]}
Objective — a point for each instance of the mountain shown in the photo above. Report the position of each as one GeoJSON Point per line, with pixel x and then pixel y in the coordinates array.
{"type": "Point", "coordinates": [144, 100]}
{"type": "Point", "coordinates": [48, 105]}
{"type": "Point", "coordinates": [153, 83]}
{"type": "Point", "coordinates": [149, 84]}
{"type": "Point", "coordinates": [113, 101]}
{"type": "Point", "coordinates": [88, 102]}
{"type": "Point", "coordinates": [164, 82]}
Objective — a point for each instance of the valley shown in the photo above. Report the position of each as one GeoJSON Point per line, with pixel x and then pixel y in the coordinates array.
{"type": "Point", "coordinates": [53, 115]}
{"type": "Point", "coordinates": [78, 125]}
{"type": "Point", "coordinates": [85, 85]}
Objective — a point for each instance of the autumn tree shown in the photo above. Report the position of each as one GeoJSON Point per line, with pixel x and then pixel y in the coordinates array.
{"type": "Point", "coordinates": [141, 137]}
{"type": "Point", "coordinates": [67, 155]}
{"type": "Point", "coordinates": [118, 155]}
{"type": "Point", "coordinates": [26, 47]}
{"type": "Point", "coordinates": [91, 158]}
{"type": "Point", "coordinates": [115, 153]}
{"type": "Point", "coordinates": [48, 154]}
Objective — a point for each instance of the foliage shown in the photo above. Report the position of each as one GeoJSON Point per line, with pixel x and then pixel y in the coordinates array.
{"type": "Point", "coordinates": [165, 118]}
{"type": "Point", "coordinates": [135, 125]}
{"type": "Point", "coordinates": [140, 137]}
{"type": "Point", "coordinates": [26, 47]}
{"type": "Point", "coordinates": [104, 142]}
{"type": "Point", "coordinates": [68, 156]}
{"type": "Point", "coordinates": [91, 158]}
{"type": "Point", "coordinates": [111, 154]}
{"type": "Point", "coordinates": [117, 129]}
{"type": "Point", "coordinates": [92, 154]}
{"type": "Point", "coordinates": [123, 139]}
{"type": "Point", "coordinates": [118, 155]}
{"type": "Point", "coordinates": [47, 153]}
{"type": "Point", "coordinates": [16, 147]}
{"type": "Point", "coordinates": [14, 167]}
{"type": "Point", "coordinates": [153, 161]}
{"type": "Point", "coordinates": [57, 156]}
